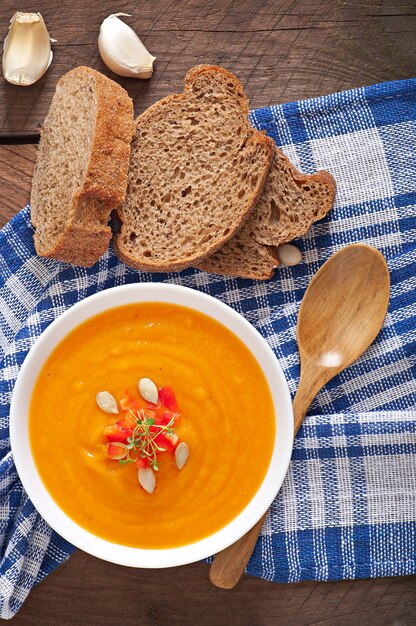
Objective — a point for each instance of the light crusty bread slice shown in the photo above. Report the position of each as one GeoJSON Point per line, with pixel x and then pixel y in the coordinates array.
{"type": "Point", "coordinates": [290, 203]}
{"type": "Point", "coordinates": [81, 167]}
{"type": "Point", "coordinates": [196, 171]}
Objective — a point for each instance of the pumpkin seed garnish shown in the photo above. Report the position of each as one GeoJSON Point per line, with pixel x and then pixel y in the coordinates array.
{"type": "Point", "coordinates": [106, 402]}
{"type": "Point", "coordinates": [143, 441]}
{"type": "Point", "coordinates": [148, 390]}
{"type": "Point", "coordinates": [147, 479]}
{"type": "Point", "coordinates": [181, 455]}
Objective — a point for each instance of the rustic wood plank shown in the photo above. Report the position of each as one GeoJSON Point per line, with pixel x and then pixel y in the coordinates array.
{"type": "Point", "coordinates": [281, 50]}
{"type": "Point", "coordinates": [16, 167]}
{"type": "Point", "coordinates": [88, 591]}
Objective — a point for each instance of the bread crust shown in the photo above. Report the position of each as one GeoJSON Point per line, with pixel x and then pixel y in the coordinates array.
{"type": "Point", "coordinates": [254, 137]}
{"type": "Point", "coordinates": [84, 240]}
{"type": "Point", "coordinates": [264, 257]}
{"type": "Point", "coordinates": [106, 176]}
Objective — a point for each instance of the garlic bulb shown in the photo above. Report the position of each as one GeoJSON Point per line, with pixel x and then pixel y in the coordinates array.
{"type": "Point", "coordinates": [121, 49]}
{"type": "Point", "coordinates": [27, 49]}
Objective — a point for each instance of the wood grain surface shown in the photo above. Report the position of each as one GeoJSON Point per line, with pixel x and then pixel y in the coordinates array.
{"type": "Point", "coordinates": [86, 591]}
{"type": "Point", "coordinates": [281, 50]}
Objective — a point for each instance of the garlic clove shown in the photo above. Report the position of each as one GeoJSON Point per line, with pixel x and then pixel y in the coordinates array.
{"type": "Point", "coordinates": [27, 49]}
{"type": "Point", "coordinates": [121, 49]}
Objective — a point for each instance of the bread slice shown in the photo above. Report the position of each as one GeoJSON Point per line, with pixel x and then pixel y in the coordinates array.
{"type": "Point", "coordinates": [290, 203]}
{"type": "Point", "coordinates": [81, 166]}
{"type": "Point", "coordinates": [197, 169]}
{"type": "Point", "coordinates": [243, 257]}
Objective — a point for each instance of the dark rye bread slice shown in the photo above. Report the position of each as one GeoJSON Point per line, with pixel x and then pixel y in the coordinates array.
{"type": "Point", "coordinates": [290, 203]}
{"type": "Point", "coordinates": [81, 166]}
{"type": "Point", "coordinates": [197, 168]}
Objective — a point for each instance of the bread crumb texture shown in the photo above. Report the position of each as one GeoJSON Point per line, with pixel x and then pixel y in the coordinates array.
{"type": "Point", "coordinates": [290, 203]}
{"type": "Point", "coordinates": [197, 169]}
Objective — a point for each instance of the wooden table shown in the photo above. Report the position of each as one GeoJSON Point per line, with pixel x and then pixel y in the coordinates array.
{"type": "Point", "coordinates": [281, 50]}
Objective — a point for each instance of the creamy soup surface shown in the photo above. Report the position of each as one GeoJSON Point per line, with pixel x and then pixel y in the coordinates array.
{"type": "Point", "coordinates": [226, 418]}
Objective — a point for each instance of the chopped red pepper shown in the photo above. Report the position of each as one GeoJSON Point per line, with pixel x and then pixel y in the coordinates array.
{"type": "Point", "coordinates": [164, 442]}
{"type": "Point", "coordinates": [127, 421]}
{"type": "Point", "coordinates": [117, 433]}
{"type": "Point", "coordinates": [160, 420]}
{"type": "Point", "coordinates": [174, 440]}
{"type": "Point", "coordinates": [153, 407]}
{"type": "Point", "coordinates": [167, 398]}
{"type": "Point", "coordinates": [117, 450]}
{"type": "Point", "coordinates": [142, 462]}
{"type": "Point", "coordinates": [169, 415]}
{"type": "Point", "coordinates": [127, 401]}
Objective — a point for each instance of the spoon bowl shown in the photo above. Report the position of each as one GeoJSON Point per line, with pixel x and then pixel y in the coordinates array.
{"type": "Point", "coordinates": [341, 314]}
{"type": "Point", "coordinates": [344, 307]}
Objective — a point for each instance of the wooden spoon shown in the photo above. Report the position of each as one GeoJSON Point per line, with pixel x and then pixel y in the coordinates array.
{"type": "Point", "coordinates": [340, 315]}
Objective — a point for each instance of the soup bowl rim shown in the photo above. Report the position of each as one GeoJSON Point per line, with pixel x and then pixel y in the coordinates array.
{"type": "Point", "coordinates": [26, 467]}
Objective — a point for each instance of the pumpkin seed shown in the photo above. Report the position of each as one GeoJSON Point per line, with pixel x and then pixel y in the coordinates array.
{"type": "Point", "coordinates": [106, 402]}
{"type": "Point", "coordinates": [289, 254]}
{"type": "Point", "coordinates": [147, 479]}
{"type": "Point", "coordinates": [148, 390]}
{"type": "Point", "coordinates": [181, 455]}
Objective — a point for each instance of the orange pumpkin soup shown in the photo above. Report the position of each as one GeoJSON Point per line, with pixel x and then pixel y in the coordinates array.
{"type": "Point", "coordinates": [226, 419]}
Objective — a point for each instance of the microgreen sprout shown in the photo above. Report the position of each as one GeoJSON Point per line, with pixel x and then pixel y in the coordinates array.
{"type": "Point", "coordinates": [142, 441]}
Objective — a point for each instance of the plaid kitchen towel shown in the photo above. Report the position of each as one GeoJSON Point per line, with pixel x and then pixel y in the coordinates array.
{"type": "Point", "coordinates": [347, 508]}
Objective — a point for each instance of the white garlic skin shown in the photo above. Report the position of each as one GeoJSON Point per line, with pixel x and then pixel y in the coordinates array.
{"type": "Point", "coordinates": [122, 51]}
{"type": "Point", "coordinates": [27, 49]}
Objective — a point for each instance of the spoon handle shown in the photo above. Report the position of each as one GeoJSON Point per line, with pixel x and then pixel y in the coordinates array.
{"type": "Point", "coordinates": [351, 315]}
{"type": "Point", "coordinates": [229, 564]}
{"type": "Point", "coordinates": [312, 378]}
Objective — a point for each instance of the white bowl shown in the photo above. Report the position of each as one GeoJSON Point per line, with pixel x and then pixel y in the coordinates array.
{"type": "Point", "coordinates": [37, 492]}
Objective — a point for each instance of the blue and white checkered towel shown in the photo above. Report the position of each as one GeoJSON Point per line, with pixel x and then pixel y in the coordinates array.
{"type": "Point", "coordinates": [347, 508]}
